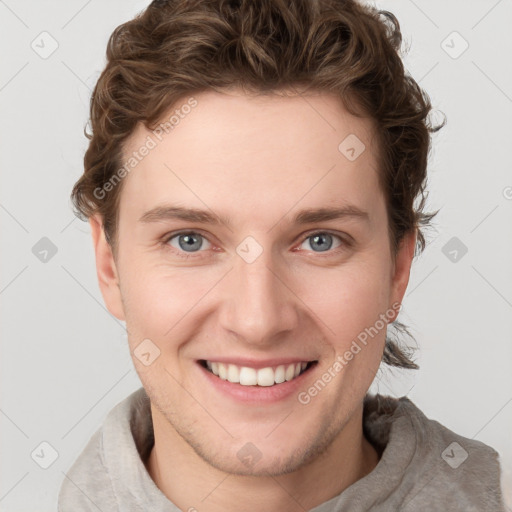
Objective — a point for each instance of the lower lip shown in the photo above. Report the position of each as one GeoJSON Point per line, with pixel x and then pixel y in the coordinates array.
{"type": "Point", "coordinates": [257, 394]}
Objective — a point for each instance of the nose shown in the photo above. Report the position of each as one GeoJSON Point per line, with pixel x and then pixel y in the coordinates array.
{"type": "Point", "coordinates": [258, 306]}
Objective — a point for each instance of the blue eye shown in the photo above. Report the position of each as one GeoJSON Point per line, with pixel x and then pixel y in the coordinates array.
{"type": "Point", "coordinates": [322, 241]}
{"type": "Point", "coordinates": [187, 242]}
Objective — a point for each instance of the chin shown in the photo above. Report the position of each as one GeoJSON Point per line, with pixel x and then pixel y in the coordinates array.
{"type": "Point", "coordinates": [256, 464]}
{"type": "Point", "coordinates": [264, 457]}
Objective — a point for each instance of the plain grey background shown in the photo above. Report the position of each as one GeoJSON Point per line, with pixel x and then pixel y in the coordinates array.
{"type": "Point", "coordinates": [64, 358]}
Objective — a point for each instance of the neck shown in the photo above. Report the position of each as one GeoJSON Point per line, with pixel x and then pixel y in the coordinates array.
{"type": "Point", "coordinates": [192, 484]}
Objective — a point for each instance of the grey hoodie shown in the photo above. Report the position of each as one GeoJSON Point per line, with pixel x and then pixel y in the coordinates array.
{"type": "Point", "coordinates": [424, 467]}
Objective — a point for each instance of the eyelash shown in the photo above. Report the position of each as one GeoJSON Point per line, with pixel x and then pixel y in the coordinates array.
{"type": "Point", "coordinates": [345, 244]}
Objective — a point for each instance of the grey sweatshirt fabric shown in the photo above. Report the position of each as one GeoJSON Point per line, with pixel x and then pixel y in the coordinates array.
{"type": "Point", "coordinates": [423, 466]}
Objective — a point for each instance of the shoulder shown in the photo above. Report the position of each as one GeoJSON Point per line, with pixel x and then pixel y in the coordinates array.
{"type": "Point", "coordinates": [443, 469]}
{"type": "Point", "coordinates": [88, 484]}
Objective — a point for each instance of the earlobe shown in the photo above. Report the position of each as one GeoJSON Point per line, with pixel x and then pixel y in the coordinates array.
{"type": "Point", "coordinates": [106, 269]}
{"type": "Point", "coordinates": [402, 268]}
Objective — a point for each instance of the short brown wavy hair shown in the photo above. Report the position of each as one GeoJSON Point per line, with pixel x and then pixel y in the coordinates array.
{"type": "Point", "coordinates": [177, 48]}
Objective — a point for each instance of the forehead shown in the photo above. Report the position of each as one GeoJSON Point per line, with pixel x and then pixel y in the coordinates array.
{"type": "Point", "coordinates": [254, 153]}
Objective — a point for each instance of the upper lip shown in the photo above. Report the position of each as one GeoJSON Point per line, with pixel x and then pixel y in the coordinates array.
{"type": "Point", "coordinates": [259, 363]}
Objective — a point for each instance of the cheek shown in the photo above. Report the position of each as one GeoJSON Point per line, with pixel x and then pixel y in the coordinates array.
{"type": "Point", "coordinates": [348, 300]}
{"type": "Point", "coordinates": [157, 299]}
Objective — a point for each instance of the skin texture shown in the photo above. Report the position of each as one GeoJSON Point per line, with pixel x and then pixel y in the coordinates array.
{"type": "Point", "coordinates": [257, 161]}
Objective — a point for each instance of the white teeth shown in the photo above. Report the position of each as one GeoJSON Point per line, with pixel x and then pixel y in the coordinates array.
{"type": "Point", "coordinates": [251, 377]}
{"type": "Point", "coordinates": [290, 372]}
{"type": "Point", "coordinates": [265, 377]}
{"type": "Point", "coordinates": [223, 371]}
{"type": "Point", "coordinates": [279, 375]}
{"type": "Point", "coordinates": [248, 376]}
{"type": "Point", "coordinates": [233, 373]}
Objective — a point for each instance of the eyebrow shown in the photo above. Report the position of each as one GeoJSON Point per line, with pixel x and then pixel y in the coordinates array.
{"type": "Point", "coordinates": [305, 216]}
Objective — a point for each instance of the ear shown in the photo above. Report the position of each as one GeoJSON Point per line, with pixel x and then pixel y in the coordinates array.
{"type": "Point", "coordinates": [401, 270]}
{"type": "Point", "coordinates": [106, 269]}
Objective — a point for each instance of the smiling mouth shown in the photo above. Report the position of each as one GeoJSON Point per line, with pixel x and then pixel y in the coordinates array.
{"type": "Point", "coordinates": [246, 376]}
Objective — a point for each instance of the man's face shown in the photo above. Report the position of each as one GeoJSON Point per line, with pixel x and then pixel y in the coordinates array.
{"type": "Point", "coordinates": [260, 289]}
